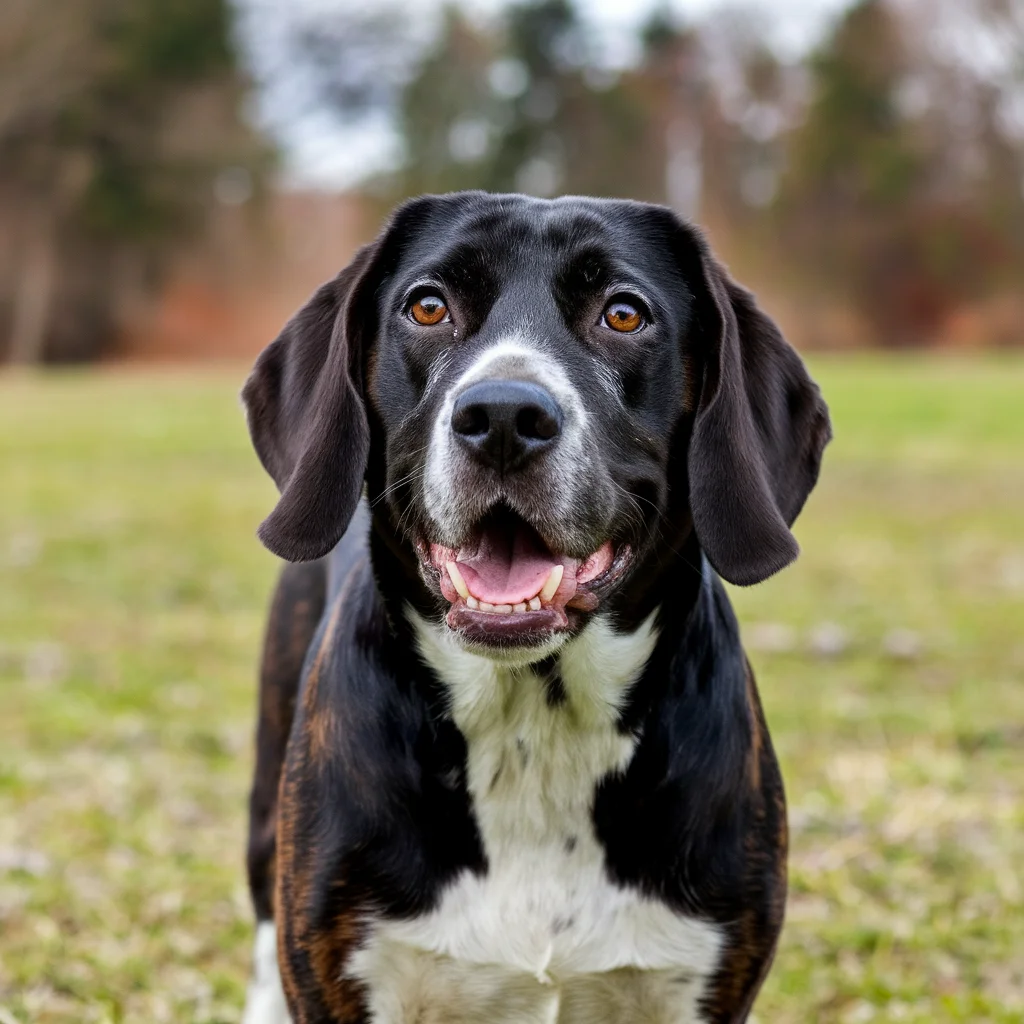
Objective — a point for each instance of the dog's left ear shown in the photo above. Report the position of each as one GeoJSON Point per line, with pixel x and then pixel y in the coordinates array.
{"type": "Point", "coordinates": [307, 418]}
{"type": "Point", "coordinates": [760, 428]}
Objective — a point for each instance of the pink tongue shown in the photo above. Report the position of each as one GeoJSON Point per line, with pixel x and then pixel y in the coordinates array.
{"type": "Point", "coordinates": [508, 567]}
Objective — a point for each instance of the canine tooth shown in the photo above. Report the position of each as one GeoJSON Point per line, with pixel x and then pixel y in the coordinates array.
{"type": "Point", "coordinates": [534, 604]}
{"type": "Point", "coordinates": [485, 606]}
{"type": "Point", "coordinates": [548, 590]}
{"type": "Point", "coordinates": [472, 602]}
{"type": "Point", "coordinates": [521, 607]}
{"type": "Point", "coordinates": [457, 581]}
{"type": "Point", "coordinates": [503, 609]}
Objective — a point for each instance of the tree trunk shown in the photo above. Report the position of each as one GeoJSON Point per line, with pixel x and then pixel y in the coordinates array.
{"type": "Point", "coordinates": [33, 297]}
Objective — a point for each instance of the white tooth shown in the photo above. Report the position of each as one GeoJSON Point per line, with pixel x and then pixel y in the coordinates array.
{"type": "Point", "coordinates": [503, 609]}
{"type": "Point", "coordinates": [548, 590]}
{"type": "Point", "coordinates": [534, 604]}
{"type": "Point", "coordinates": [486, 606]}
{"type": "Point", "coordinates": [457, 581]}
{"type": "Point", "coordinates": [521, 607]}
{"type": "Point", "coordinates": [472, 602]}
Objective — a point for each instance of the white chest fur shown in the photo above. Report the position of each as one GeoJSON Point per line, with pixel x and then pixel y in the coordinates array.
{"type": "Point", "coordinates": [544, 935]}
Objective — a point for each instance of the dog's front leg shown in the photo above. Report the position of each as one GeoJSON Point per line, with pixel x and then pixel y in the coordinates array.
{"type": "Point", "coordinates": [295, 612]}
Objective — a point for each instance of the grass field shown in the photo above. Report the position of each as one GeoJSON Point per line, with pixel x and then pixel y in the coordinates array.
{"type": "Point", "coordinates": [890, 659]}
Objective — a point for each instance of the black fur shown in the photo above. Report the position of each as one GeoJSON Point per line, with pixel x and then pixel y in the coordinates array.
{"type": "Point", "coordinates": [708, 450]}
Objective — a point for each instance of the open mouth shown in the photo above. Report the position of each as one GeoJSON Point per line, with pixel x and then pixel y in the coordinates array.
{"type": "Point", "coordinates": [505, 584]}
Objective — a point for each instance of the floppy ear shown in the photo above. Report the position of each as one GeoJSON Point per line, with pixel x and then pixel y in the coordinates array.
{"type": "Point", "coordinates": [304, 403]}
{"type": "Point", "coordinates": [760, 429]}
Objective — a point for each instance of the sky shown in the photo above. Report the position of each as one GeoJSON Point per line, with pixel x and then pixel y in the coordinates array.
{"type": "Point", "coordinates": [318, 154]}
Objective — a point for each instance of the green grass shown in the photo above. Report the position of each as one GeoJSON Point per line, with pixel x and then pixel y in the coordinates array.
{"type": "Point", "coordinates": [890, 660]}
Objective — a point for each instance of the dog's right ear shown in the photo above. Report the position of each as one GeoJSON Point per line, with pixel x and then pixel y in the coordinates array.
{"type": "Point", "coordinates": [305, 406]}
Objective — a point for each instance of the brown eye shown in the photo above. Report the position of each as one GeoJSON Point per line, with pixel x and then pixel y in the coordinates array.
{"type": "Point", "coordinates": [428, 310]}
{"type": "Point", "coordinates": [623, 317]}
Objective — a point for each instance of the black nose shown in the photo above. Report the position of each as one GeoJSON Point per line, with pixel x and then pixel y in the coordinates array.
{"type": "Point", "coordinates": [505, 423]}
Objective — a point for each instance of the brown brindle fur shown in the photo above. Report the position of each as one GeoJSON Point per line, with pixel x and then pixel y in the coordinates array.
{"type": "Point", "coordinates": [749, 954]}
{"type": "Point", "coordinates": [312, 958]}
{"type": "Point", "coordinates": [295, 612]}
{"type": "Point", "coordinates": [320, 721]}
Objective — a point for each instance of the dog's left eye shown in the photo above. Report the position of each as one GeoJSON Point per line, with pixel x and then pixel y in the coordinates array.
{"type": "Point", "coordinates": [623, 316]}
{"type": "Point", "coordinates": [428, 310]}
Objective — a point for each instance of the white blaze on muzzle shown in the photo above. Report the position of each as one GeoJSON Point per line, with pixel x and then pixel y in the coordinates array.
{"type": "Point", "coordinates": [509, 359]}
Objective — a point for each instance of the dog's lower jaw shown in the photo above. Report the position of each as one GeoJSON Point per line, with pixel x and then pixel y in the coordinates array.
{"type": "Point", "coordinates": [264, 1000]}
{"type": "Point", "coordinates": [511, 656]}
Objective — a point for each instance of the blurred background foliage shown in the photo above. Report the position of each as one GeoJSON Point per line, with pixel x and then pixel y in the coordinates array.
{"type": "Point", "coordinates": [872, 186]}
{"type": "Point", "coordinates": [115, 118]}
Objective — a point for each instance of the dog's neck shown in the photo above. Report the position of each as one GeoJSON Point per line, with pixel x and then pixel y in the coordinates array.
{"type": "Point", "coordinates": [591, 674]}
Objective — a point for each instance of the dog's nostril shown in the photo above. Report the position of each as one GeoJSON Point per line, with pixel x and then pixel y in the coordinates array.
{"type": "Point", "coordinates": [471, 420]}
{"type": "Point", "coordinates": [536, 424]}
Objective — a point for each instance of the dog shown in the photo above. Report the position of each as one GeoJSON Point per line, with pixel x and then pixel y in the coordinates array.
{"type": "Point", "coordinates": [511, 761]}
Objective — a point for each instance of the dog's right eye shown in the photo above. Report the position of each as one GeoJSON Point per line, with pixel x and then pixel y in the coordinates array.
{"type": "Point", "coordinates": [428, 310]}
{"type": "Point", "coordinates": [623, 316]}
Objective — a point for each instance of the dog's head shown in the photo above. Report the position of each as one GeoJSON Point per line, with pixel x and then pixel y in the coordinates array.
{"type": "Point", "coordinates": [539, 395]}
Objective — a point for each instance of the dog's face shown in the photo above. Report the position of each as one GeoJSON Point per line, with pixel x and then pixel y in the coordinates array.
{"type": "Point", "coordinates": [529, 379]}
{"type": "Point", "coordinates": [532, 389]}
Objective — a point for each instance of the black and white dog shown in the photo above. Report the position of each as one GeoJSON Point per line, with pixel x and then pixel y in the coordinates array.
{"type": "Point", "coordinates": [512, 767]}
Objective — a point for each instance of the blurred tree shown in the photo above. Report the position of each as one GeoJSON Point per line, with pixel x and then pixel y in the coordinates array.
{"type": "Point", "coordinates": [851, 148]}
{"type": "Point", "coordinates": [882, 176]}
{"type": "Point", "coordinates": [853, 166]}
{"type": "Point", "coordinates": [970, 93]}
{"type": "Point", "coordinates": [524, 109]}
{"type": "Point", "coordinates": [884, 204]}
{"type": "Point", "coordinates": [346, 63]}
{"type": "Point", "coordinates": [117, 118]}
{"type": "Point", "coordinates": [670, 86]}
{"type": "Point", "coordinates": [750, 101]}
{"type": "Point", "coordinates": [450, 112]}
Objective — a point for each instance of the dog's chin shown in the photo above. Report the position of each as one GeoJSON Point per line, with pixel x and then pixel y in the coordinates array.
{"type": "Point", "coordinates": [513, 597]}
{"type": "Point", "coordinates": [518, 638]}
{"type": "Point", "coordinates": [508, 644]}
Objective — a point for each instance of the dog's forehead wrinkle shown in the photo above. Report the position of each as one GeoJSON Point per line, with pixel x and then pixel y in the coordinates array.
{"type": "Point", "coordinates": [522, 240]}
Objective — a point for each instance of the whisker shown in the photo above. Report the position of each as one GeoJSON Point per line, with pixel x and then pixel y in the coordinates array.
{"type": "Point", "coordinates": [395, 485]}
